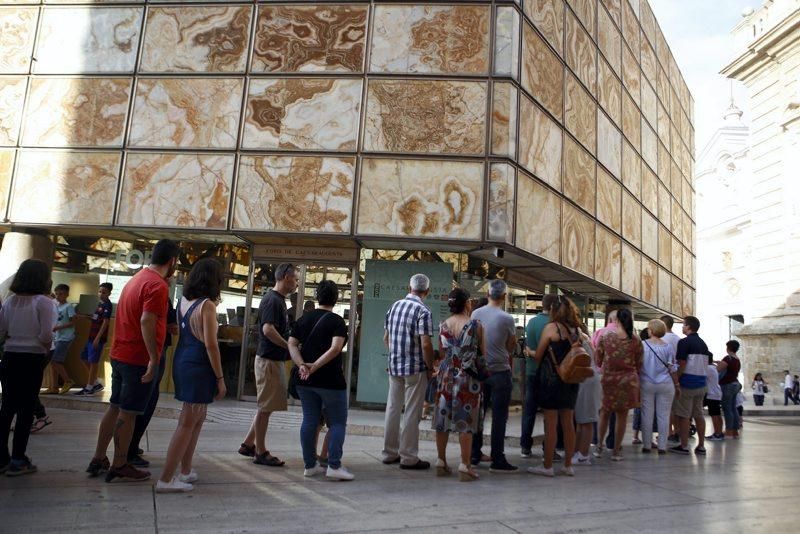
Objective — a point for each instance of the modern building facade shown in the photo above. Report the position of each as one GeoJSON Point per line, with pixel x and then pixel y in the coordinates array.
{"type": "Point", "coordinates": [546, 141]}
{"type": "Point", "coordinates": [768, 63]}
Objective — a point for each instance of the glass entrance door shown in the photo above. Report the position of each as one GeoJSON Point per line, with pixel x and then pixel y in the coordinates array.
{"type": "Point", "coordinates": [308, 277]}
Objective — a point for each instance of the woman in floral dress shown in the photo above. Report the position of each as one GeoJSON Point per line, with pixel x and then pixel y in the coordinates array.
{"type": "Point", "coordinates": [458, 397]}
{"type": "Point", "coordinates": [619, 355]}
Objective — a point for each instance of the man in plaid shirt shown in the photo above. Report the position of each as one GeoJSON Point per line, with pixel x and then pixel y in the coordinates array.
{"type": "Point", "coordinates": [407, 334]}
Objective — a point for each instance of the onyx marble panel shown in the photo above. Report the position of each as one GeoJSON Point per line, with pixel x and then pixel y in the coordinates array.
{"type": "Point", "coordinates": [12, 96]}
{"type": "Point", "coordinates": [305, 38]}
{"type": "Point", "coordinates": [294, 194]}
{"type": "Point", "coordinates": [504, 120]}
{"type": "Point", "coordinates": [65, 187]}
{"type": "Point", "coordinates": [303, 113]}
{"type": "Point", "coordinates": [630, 28]}
{"type": "Point", "coordinates": [426, 116]}
{"type": "Point", "coordinates": [579, 175]}
{"type": "Point", "coordinates": [581, 53]}
{"type": "Point", "coordinates": [631, 122]}
{"type": "Point", "coordinates": [17, 33]}
{"type": "Point", "coordinates": [542, 72]}
{"type": "Point", "coordinates": [609, 91]}
{"type": "Point", "coordinates": [186, 112]}
{"type": "Point", "coordinates": [538, 219]}
{"type": "Point", "coordinates": [649, 235]}
{"type": "Point", "coordinates": [540, 143]}
{"type": "Point", "coordinates": [196, 39]}
{"type": "Point", "coordinates": [649, 105]}
{"type": "Point", "coordinates": [664, 206]}
{"type": "Point", "coordinates": [417, 198]}
{"type": "Point", "coordinates": [677, 258]}
{"type": "Point", "coordinates": [608, 257]}
{"type": "Point", "coordinates": [649, 281]}
{"type": "Point", "coordinates": [649, 146]}
{"type": "Point", "coordinates": [649, 190]}
{"type": "Point", "coordinates": [548, 17]}
{"type": "Point", "coordinates": [181, 190]}
{"type": "Point", "coordinates": [586, 11]}
{"type": "Point", "coordinates": [688, 266]}
{"type": "Point", "coordinates": [664, 247]}
{"type": "Point", "coordinates": [580, 111]}
{"type": "Point", "coordinates": [614, 9]}
{"type": "Point", "coordinates": [631, 277]}
{"type": "Point", "coordinates": [88, 39]}
{"type": "Point", "coordinates": [6, 168]}
{"type": "Point", "coordinates": [631, 170]}
{"type": "Point", "coordinates": [578, 240]}
{"type": "Point", "coordinates": [676, 218]}
{"type": "Point", "coordinates": [687, 303]}
{"type": "Point", "coordinates": [664, 290]}
{"type": "Point", "coordinates": [631, 219]}
{"type": "Point", "coordinates": [609, 200]}
{"type": "Point", "coordinates": [609, 40]}
{"type": "Point", "coordinates": [506, 42]}
{"type": "Point", "coordinates": [76, 112]}
{"type": "Point", "coordinates": [502, 179]}
{"type": "Point", "coordinates": [631, 76]}
{"type": "Point", "coordinates": [649, 64]}
{"type": "Point", "coordinates": [609, 145]}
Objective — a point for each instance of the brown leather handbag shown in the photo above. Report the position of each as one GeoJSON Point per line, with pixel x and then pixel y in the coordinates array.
{"type": "Point", "coordinates": [576, 365]}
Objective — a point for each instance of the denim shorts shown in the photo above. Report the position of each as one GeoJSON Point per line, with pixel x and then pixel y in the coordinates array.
{"type": "Point", "coordinates": [127, 391]}
{"type": "Point", "coordinates": [60, 350]}
{"type": "Point", "coordinates": [89, 353]}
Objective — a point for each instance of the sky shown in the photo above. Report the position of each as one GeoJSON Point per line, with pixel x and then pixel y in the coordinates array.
{"type": "Point", "coordinates": [698, 33]}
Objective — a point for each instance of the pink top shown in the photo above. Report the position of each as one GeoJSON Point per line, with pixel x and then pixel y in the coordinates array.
{"type": "Point", "coordinates": [600, 333]}
{"type": "Point", "coordinates": [27, 322]}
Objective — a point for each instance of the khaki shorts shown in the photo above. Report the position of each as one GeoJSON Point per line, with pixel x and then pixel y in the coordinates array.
{"type": "Point", "coordinates": [689, 404]}
{"type": "Point", "coordinates": [270, 385]}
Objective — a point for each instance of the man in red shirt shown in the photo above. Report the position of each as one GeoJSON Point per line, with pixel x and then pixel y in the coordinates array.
{"type": "Point", "coordinates": [141, 326]}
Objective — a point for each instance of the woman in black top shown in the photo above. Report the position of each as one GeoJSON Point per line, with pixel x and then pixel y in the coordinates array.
{"type": "Point", "coordinates": [315, 346]}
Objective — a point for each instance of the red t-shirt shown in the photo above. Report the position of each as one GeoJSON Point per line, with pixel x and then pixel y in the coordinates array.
{"type": "Point", "coordinates": [147, 291]}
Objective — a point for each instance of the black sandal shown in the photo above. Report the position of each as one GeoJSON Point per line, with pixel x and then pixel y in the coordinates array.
{"type": "Point", "coordinates": [268, 460]}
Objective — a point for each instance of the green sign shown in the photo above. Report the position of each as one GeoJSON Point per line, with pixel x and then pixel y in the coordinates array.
{"type": "Point", "coordinates": [387, 282]}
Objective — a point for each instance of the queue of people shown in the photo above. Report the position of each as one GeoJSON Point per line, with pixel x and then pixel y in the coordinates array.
{"type": "Point", "coordinates": [585, 387]}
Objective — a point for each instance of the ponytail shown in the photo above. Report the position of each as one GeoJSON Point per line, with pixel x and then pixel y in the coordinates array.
{"type": "Point", "coordinates": [625, 318]}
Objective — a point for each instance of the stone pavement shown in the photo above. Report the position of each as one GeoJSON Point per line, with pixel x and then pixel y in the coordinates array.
{"type": "Point", "coordinates": [747, 485]}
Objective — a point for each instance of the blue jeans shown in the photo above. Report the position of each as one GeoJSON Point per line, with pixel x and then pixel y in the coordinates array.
{"type": "Point", "coordinates": [529, 409]}
{"type": "Point", "coordinates": [335, 403]}
{"type": "Point", "coordinates": [729, 392]}
{"type": "Point", "coordinates": [497, 391]}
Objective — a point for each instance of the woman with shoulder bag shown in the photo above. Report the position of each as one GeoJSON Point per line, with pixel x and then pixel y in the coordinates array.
{"type": "Point", "coordinates": [587, 406]}
{"type": "Point", "coordinates": [556, 398]}
{"type": "Point", "coordinates": [659, 383]}
{"type": "Point", "coordinates": [760, 389]}
{"type": "Point", "coordinates": [315, 345]}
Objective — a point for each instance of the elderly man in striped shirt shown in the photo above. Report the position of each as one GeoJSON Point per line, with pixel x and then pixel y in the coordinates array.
{"type": "Point", "coordinates": [407, 334]}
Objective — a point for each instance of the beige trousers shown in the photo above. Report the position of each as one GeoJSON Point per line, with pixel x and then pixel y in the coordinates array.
{"type": "Point", "coordinates": [408, 391]}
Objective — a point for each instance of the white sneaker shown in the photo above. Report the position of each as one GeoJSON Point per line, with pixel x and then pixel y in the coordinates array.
{"type": "Point", "coordinates": [339, 474]}
{"type": "Point", "coordinates": [568, 471]}
{"type": "Point", "coordinates": [191, 478]}
{"type": "Point", "coordinates": [541, 470]}
{"type": "Point", "coordinates": [580, 459]}
{"type": "Point", "coordinates": [312, 471]}
{"type": "Point", "coordinates": [173, 486]}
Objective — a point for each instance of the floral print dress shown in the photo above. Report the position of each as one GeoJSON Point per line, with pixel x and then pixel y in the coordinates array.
{"type": "Point", "coordinates": [621, 360]}
{"type": "Point", "coordinates": [458, 396]}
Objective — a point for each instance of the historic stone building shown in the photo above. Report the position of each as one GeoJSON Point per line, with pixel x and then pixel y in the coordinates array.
{"type": "Point", "coordinates": [769, 66]}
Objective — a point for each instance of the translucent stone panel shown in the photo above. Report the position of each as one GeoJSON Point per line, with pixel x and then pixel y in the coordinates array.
{"type": "Point", "coordinates": [609, 201]}
{"type": "Point", "coordinates": [581, 53]}
{"type": "Point", "coordinates": [630, 27]}
{"type": "Point", "coordinates": [664, 247]}
{"type": "Point", "coordinates": [631, 219]}
{"type": "Point", "coordinates": [297, 38]}
{"type": "Point", "coordinates": [88, 39]}
{"type": "Point", "coordinates": [153, 182]}
{"type": "Point", "coordinates": [434, 39]}
{"type": "Point", "coordinates": [504, 120]}
{"type": "Point", "coordinates": [631, 75]}
{"type": "Point", "coordinates": [186, 112]}
{"type": "Point", "coordinates": [649, 281]}
{"type": "Point", "coordinates": [614, 8]}
{"type": "Point", "coordinates": [17, 30]}
{"type": "Point", "coordinates": [687, 302]}
{"type": "Point", "coordinates": [631, 170]}
{"type": "Point", "coordinates": [649, 190]}
{"type": "Point", "coordinates": [664, 205]}
{"type": "Point", "coordinates": [579, 175]}
{"type": "Point", "coordinates": [196, 39]}
{"type": "Point", "coordinates": [631, 122]}
{"type": "Point", "coordinates": [664, 290]}
{"type": "Point", "coordinates": [649, 106]}
{"type": "Point", "coordinates": [677, 258]}
{"type": "Point", "coordinates": [649, 146]}
{"type": "Point", "coordinates": [548, 17]}
{"type": "Point", "coordinates": [294, 194]}
{"type": "Point", "coordinates": [538, 219]}
{"type": "Point", "coordinates": [540, 142]}
{"type": "Point", "coordinates": [12, 96]}
{"type": "Point", "coordinates": [424, 116]}
{"type": "Point", "coordinates": [578, 240]}
{"type": "Point", "coordinates": [542, 72]}
{"type": "Point", "coordinates": [420, 198]}
{"type": "Point", "coordinates": [506, 47]}
{"type": "Point", "coordinates": [580, 112]}
{"type": "Point", "coordinates": [608, 257]}
{"type": "Point", "coordinates": [609, 145]}
{"type": "Point", "coordinates": [63, 186]}
{"type": "Point", "coordinates": [6, 168]}
{"type": "Point", "coordinates": [609, 40]}
{"type": "Point", "coordinates": [302, 113]}
{"type": "Point", "coordinates": [631, 279]}
{"type": "Point", "coordinates": [586, 12]}
{"type": "Point", "coordinates": [649, 235]}
{"type": "Point", "coordinates": [609, 92]}
{"type": "Point", "coordinates": [76, 112]}
{"type": "Point", "coordinates": [502, 178]}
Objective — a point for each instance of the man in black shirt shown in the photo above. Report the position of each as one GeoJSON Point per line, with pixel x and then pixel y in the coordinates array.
{"type": "Point", "coordinates": [270, 374]}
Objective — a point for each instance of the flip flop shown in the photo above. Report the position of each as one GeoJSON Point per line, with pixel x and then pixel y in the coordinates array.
{"type": "Point", "coordinates": [39, 424]}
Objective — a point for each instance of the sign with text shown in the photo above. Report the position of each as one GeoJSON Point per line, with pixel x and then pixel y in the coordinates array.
{"type": "Point", "coordinates": [303, 254]}
{"type": "Point", "coordinates": [385, 283]}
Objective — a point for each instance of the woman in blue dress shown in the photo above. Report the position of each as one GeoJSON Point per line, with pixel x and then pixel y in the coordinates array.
{"type": "Point", "coordinates": [196, 370]}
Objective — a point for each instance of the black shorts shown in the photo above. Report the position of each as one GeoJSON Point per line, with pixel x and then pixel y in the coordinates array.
{"type": "Point", "coordinates": [127, 391]}
{"type": "Point", "coordinates": [714, 407]}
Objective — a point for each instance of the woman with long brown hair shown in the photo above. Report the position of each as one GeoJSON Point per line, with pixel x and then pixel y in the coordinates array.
{"type": "Point", "coordinates": [556, 398]}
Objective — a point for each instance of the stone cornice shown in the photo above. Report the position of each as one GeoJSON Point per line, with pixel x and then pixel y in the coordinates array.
{"type": "Point", "coordinates": [760, 51]}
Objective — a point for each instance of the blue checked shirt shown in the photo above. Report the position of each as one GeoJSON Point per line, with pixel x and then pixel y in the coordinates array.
{"type": "Point", "coordinates": [406, 321]}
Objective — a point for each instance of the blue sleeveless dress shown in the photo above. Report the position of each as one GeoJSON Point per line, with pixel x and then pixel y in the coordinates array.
{"type": "Point", "coordinates": [195, 381]}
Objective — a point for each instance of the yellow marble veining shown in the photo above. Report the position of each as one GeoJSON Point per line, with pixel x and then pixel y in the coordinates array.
{"type": "Point", "coordinates": [6, 169]}
{"type": "Point", "coordinates": [631, 75]}
{"type": "Point", "coordinates": [12, 96]}
{"type": "Point", "coordinates": [631, 170]}
{"type": "Point", "coordinates": [631, 122]}
{"type": "Point", "coordinates": [631, 219]}
{"type": "Point", "coordinates": [421, 198]}
{"type": "Point", "coordinates": [294, 194]}
{"type": "Point", "coordinates": [580, 112]}
{"type": "Point", "coordinates": [649, 190]}
{"type": "Point", "coordinates": [687, 302]}
{"type": "Point", "coordinates": [649, 281]}
{"type": "Point", "coordinates": [664, 206]}
{"type": "Point", "coordinates": [17, 31]}
{"type": "Point", "coordinates": [579, 176]}
{"type": "Point", "coordinates": [538, 219]}
{"type": "Point", "coordinates": [502, 180]}
{"type": "Point", "coordinates": [631, 278]}
{"type": "Point", "coordinates": [542, 72]}
{"type": "Point", "coordinates": [649, 146]}
{"type": "Point", "coordinates": [664, 247]}
{"type": "Point", "coordinates": [614, 8]}
{"type": "Point", "coordinates": [609, 145]}
{"type": "Point", "coordinates": [578, 240]}
{"type": "Point", "coordinates": [609, 92]}
{"type": "Point", "coordinates": [152, 183]}
{"type": "Point", "coordinates": [581, 53]}
{"type": "Point", "coordinates": [608, 257]}
{"type": "Point", "coordinates": [504, 120]}
{"type": "Point", "coordinates": [586, 10]}
{"type": "Point", "coordinates": [677, 257]}
{"type": "Point", "coordinates": [609, 40]}
{"type": "Point", "coordinates": [540, 143]}
{"type": "Point", "coordinates": [649, 235]}
{"type": "Point", "coordinates": [548, 17]}
{"type": "Point", "coordinates": [630, 28]}
{"type": "Point", "coordinates": [664, 290]}
{"type": "Point", "coordinates": [63, 185]}
{"type": "Point", "coordinates": [609, 200]}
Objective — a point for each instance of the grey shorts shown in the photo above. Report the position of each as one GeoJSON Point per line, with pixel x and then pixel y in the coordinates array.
{"type": "Point", "coordinates": [60, 351]}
